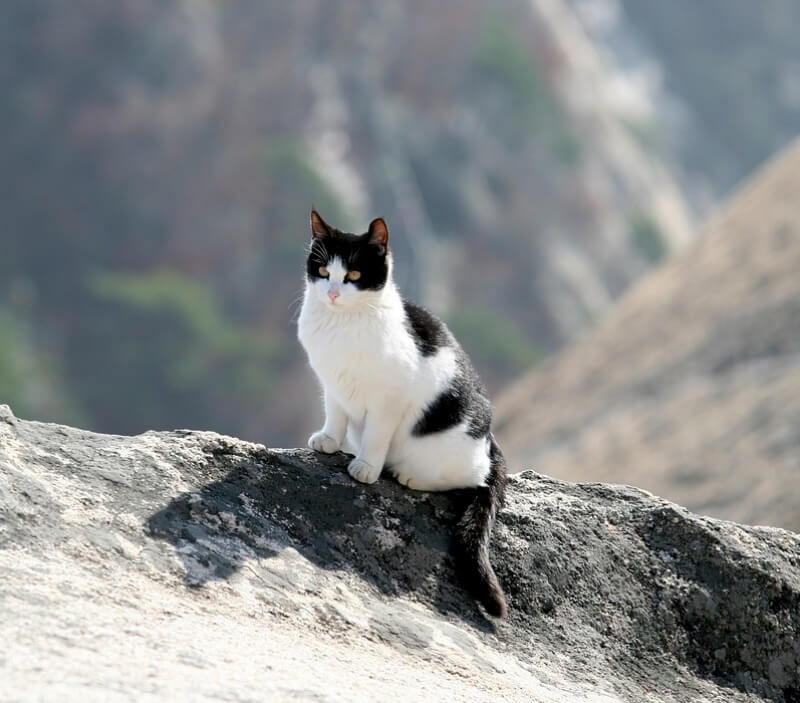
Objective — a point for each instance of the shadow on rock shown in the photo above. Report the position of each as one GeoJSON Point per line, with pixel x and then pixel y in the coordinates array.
{"type": "Point", "coordinates": [395, 539]}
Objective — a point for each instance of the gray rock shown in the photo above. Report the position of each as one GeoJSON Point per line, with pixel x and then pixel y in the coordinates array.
{"type": "Point", "coordinates": [192, 566]}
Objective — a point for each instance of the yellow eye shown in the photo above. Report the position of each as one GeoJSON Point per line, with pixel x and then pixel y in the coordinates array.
{"type": "Point", "coordinates": [323, 272]}
{"type": "Point", "coordinates": [353, 275]}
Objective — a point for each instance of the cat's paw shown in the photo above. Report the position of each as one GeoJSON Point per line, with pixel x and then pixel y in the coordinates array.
{"type": "Point", "coordinates": [412, 482]}
{"type": "Point", "coordinates": [360, 470]}
{"type": "Point", "coordinates": [404, 480]}
{"type": "Point", "coordinates": [321, 442]}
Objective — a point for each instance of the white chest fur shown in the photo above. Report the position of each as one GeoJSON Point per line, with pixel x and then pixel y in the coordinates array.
{"type": "Point", "coordinates": [360, 353]}
{"type": "Point", "coordinates": [370, 368]}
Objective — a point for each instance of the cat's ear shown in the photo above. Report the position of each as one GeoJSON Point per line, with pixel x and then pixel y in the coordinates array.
{"type": "Point", "coordinates": [319, 228]}
{"type": "Point", "coordinates": [379, 233]}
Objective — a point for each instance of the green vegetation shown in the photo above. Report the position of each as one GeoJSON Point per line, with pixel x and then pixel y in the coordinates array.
{"type": "Point", "coordinates": [17, 365]}
{"type": "Point", "coordinates": [493, 341]}
{"type": "Point", "coordinates": [168, 329]}
{"type": "Point", "coordinates": [295, 183]}
{"type": "Point", "coordinates": [648, 136]}
{"type": "Point", "coordinates": [566, 147]}
{"type": "Point", "coordinates": [28, 377]}
{"type": "Point", "coordinates": [503, 59]}
{"type": "Point", "coordinates": [646, 236]}
{"type": "Point", "coordinates": [730, 63]}
{"type": "Point", "coordinates": [287, 162]}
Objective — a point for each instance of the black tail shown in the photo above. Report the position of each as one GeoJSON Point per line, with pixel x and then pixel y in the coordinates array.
{"type": "Point", "coordinates": [472, 536]}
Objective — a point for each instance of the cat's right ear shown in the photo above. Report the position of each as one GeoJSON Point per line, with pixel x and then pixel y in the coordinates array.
{"type": "Point", "coordinates": [319, 228]}
{"type": "Point", "coordinates": [379, 234]}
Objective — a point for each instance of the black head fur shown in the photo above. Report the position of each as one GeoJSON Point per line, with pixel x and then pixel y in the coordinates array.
{"type": "Point", "coordinates": [366, 253]}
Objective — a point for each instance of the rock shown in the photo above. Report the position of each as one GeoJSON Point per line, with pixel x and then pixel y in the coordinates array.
{"type": "Point", "coordinates": [193, 566]}
{"type": "Point", "coordinates": [691, 387]}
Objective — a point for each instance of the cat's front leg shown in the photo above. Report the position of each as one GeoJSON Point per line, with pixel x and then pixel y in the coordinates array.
{"type": "Point", "coordinates": [329, 439]}
{"type": "Point", "coordinates": [379, 428]}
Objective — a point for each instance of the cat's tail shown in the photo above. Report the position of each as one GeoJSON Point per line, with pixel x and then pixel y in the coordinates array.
{"type": "Point", "coordinates": [474, 531]}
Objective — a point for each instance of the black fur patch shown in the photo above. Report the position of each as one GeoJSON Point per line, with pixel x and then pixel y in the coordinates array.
{"type": "Point", "coordinates": [480, 416]}
{"type": "Point", "coordinates": [356, 252]}
{"type": "Point", "coordinates": [446, 411]}
{"type": "Point", "coordinates": [428, 331]}
{"type": "Point", "coordinates": [464, 398]}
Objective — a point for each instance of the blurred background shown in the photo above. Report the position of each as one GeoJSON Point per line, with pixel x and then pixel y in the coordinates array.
{"type": "Point", "coordinates": [533, 159]}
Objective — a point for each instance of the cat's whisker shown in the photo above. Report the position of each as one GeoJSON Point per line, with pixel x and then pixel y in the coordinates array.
{"type": "Point", "coordinates": [295, 306]}
{"type": "Point", "coordinates": [317, 248]}
{"type": "Point", "coordinates": [297, 299]}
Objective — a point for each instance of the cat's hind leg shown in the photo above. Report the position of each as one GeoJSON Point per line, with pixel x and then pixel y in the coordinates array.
{"type": "Point", "coordinates": [419, 483]}
{"type": "Point", "coordinates": [441, 461]}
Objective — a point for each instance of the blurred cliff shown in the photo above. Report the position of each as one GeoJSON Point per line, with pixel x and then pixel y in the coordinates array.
{"type": "Point", "coordinates": [158, 163]}
{"type": "Point", "coordinates": [691, 388]}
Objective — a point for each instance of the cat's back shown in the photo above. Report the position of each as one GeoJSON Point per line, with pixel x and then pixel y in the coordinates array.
{"type": "Point", "coordinates": [445, 442]}
{"type": "Point", "coordinates": [432, 336]}
{"type": "Point", "coordinates": [427, 331]}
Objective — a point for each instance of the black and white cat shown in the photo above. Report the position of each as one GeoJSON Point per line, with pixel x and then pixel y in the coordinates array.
{"type": "Point", "coordinates": [400, 393]}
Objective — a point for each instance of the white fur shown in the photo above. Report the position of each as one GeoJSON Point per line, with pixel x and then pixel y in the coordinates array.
{"type": "Point", "coordinates": [377, 385]}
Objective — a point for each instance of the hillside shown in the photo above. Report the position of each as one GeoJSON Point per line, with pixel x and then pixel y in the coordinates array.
{"type": "Point", "coordinates": [190, 566]}
{"type": "Point", "coordinates": [691, 387]}
{"type": "Point", "coordinates": [710, 55]}
{"type": "Point", "coordinates": [178, 148]}
{"type": "Point", "coordinates": [159, 161]}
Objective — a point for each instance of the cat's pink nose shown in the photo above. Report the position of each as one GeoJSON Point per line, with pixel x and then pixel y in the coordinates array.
{"type": "Point", "coordinates": [333, 294]}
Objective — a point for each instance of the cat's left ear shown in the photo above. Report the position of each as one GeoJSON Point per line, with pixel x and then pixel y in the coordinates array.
{"type": "Point", "coordinates": [319, 228]}
{"type": "Point", "coordinates": [379, 233]}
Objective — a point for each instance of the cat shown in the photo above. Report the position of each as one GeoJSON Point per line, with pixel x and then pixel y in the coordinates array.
{"type": "Point", "coordinates": [399, 391]}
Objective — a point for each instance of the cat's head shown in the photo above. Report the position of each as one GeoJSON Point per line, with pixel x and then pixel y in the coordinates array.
{"type": "Point", "coordinates": [345, 270]}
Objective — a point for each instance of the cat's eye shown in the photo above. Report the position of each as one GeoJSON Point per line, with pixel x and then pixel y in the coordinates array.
{"type": "Point", "coordinates": [353, 275]}
{"type": "Point", "coordinates": [324, 272]}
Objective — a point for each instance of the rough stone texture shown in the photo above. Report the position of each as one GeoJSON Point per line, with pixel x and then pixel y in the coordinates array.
{"type": "Point", "coordinates": [192, 566]}
{"type": "Point", "coordinates": [691, 387]}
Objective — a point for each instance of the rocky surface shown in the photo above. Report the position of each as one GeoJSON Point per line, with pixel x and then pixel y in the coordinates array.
{"type": "Point", "coordinates": [193, 566]}
{"type": "Point", "coordinates": [691, 388]}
